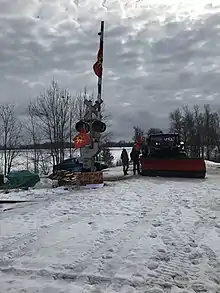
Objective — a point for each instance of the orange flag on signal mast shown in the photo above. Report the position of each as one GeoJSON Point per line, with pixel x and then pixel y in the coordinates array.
{"type": "Point", "coordinates": [81, 139]}
{"type": "Point", "coordinates": [97, 67]}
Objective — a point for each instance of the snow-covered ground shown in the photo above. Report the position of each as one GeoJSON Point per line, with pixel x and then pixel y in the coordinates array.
{"type": "Point", "coordinates": [134, 236]}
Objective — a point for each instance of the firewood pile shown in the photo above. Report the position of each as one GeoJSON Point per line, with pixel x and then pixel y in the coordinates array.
{"type": "Point", "coordinates": [64, 178]}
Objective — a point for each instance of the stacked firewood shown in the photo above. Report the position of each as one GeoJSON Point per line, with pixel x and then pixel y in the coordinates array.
{"type": "Point", "coordinates": [63, 178]}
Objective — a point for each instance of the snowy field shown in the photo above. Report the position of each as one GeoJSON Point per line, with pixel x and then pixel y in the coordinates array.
{"type": "Point", "coordinates": [140, 235]}
{"type": "Point", "coordinates": [25, 159]}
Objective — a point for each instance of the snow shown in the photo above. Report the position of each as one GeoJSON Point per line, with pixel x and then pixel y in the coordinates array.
{"type": "Point", "coordinates": [142, 235]}
{"type": "Point", "coordinates": [212, 164]}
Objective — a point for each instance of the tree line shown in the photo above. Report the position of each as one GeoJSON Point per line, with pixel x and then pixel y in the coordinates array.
{"type": "Point", "coordinates": [50, 120]}
{"type": "Point", "coordinates": [68, 145]}
{"type": "Point", "coordinates": [198, 127]}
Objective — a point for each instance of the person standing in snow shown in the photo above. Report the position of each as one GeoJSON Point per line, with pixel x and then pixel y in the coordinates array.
{"type": "Point", "coordinates": [125, 161]}
{"type": "Point", "coordinates": [135, 153]}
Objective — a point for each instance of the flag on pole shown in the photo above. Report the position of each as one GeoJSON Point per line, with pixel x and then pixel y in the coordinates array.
{"type": "Point", "coordinates": [139, 140]}
{"type": "Point", "coordinates": [138, 143]}
{"type": "Point", "coordinates": [81, 139]}
{"type": "Point", "coordinates": [97, 67]}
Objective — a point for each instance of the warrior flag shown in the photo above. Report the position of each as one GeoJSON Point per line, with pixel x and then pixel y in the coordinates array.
{"type": "Point", "coordinates": [81, 139]}
{"type": "Point", "coordinates": [97, 67]}
{"type": "Point", "coordinates": [139, 140]}
{"type": "Point", "coordinates": [138, 143]}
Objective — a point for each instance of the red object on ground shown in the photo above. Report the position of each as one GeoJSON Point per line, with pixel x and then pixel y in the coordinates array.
{"type": "Point", "coordinates": [179, 167]}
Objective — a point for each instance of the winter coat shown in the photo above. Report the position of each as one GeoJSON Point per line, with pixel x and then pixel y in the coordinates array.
{"type": "Point", "coordinates": [135, 155]}
{"type": "Point", "coordinates": [124, 157]}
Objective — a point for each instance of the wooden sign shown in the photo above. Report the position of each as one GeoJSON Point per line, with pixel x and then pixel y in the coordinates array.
{"type": "Point", "coordinates": [90, 178]}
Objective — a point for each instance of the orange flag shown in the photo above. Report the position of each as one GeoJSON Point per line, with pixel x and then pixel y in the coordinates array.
{"type": "Point", "coordinates": [81, 139]}
{"type": "Point", "coordinates": [97, 67]}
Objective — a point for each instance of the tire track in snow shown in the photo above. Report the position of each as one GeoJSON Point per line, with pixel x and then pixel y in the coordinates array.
{"type": "Point", "coordinates": [116, 240]}
{"type": "Point", "coordinates": [50, 213]}
{"type": "Point", "coordinates": [176, 265]}
{"type": "Point", "coordinates": [185, 266]}
{"type": "Point", "coordinates": [104, 264]}
{"type": "Point", "coordinates": [17, 245]}
{"type": "Point", "coordinates": [129, 246]}
{"type": "Point", "coordinates": [24, 243]}
{"type": "Point", "coordinates": [81, 275]}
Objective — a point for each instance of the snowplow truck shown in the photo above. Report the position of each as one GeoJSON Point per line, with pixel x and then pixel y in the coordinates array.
{"type": "Point", "coordinates": [164, 155]}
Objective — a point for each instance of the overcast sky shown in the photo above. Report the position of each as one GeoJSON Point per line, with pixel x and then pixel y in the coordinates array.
{"type": "Point", "coordinates": [158, 54]}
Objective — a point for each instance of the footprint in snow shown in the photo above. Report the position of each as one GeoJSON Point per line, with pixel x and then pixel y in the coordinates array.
{"type": "Point", "coordinates": [213, 217]}
{"type": "Point", "coordinates": [187, 249]}
{"type": "Point", "coordinates": [192, 243]}
{"type": "Point", "coordinates": [153, 265]}
{"type": "Point", "coordinates": [161, 255]}
{"type": "Point", "coordinates": [96, 290]}
{"type": "Point", "coordinates": [154, 290]}
{"type": "Point", "coordinates": [181, 281]}
{"type": "Point", "coordinates": [195, 258]}
{"type": "Point", "coordinates": [167, 240]}
{"type": "Point", "coordinates": [199, 287]}
{"type": "Point", "coordinates": [178, 212]}
{"type": "Point", "coordinates": [156, 223]}
{"type": "Point", "coordinates": [210, 254]}
{"type": "Point", "coordinates": [106, 256]}
{"type": "Point", "coordinates": [153, 234]}
{"type": "Point", "coordinates": [214, 278]}
{"type": "Point", "coordinates": [217, 225]}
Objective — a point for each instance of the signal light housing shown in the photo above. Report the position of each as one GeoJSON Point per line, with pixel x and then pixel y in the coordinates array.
{"type": "Point", "coordinates": [82, 125]}
{"type": "Point", "coordinates": [98, 126]}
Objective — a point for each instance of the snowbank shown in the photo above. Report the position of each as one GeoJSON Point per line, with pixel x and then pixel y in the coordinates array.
{"type": "Point", "coordinates": [212, 164]}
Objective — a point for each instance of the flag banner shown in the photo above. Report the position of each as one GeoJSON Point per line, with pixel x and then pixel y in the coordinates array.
{"type": "Point", "coordinates": [81, 139]}
{"type": "Point", "coordinates": [97, 67]}
{"type": "Point", "coordinates": [139, 140]}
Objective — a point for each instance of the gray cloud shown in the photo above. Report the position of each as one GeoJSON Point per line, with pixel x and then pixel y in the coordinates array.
{"type": "Point", "coordinates": [157, 57]}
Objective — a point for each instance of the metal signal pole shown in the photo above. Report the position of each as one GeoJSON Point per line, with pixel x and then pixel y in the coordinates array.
{"type": "Point", "coordinates": [93, 115]}
{"type": "Point", "coordinates": [99, 97]}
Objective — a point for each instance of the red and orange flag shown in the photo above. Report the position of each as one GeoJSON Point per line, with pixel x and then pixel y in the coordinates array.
{"type": "Point", "coordinates": [97, 67]}
{"type": "Point", "coordinates": [81, 139]}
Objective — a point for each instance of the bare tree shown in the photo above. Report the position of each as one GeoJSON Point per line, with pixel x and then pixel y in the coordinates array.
{"type": "Point", "coordinates": [79, 105]}
{"type": "Point", "coordinates": [189, 129]}
{"type": "Point", "coordinates": [35, 135]}
{"type": "Point", "coordinates": [176, 121]}
{"type": "Point", "coordinates": [52, 110]}
{"type": "Point", "coordinates": [11, 130]}
{"type": "Point", "coordinates": [200, 130]}
{"type": "Point", "coordinates": [106, 118]}
{"type": "Point", "coordinates": [55, 112]}
{"type": "Point", "coordinates": [199, 134]}
{"type": "Point", "coordinates": [154, 131]}
{"type": "Point", "coordinates": [77, 112]}
{"type": "Point", "coordinates": [137, 132]}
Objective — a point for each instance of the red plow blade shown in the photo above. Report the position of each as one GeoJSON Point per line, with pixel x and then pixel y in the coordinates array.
{"type": "Point", "coordinates": [181, 167]}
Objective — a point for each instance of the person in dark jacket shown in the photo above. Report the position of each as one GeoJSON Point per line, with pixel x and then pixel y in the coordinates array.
{"type": "Point", "coordinates": [125, 161]}
{"type": "Point", "coordinates": [135, 153]}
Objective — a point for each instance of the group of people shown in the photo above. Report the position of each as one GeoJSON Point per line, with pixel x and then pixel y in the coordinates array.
{"type": "Point", "coordinates": [134, 156]}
